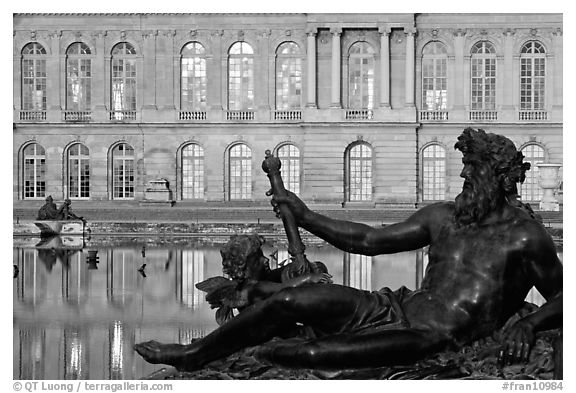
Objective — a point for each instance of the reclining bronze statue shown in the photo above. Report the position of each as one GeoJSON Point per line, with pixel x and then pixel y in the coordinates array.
{"type": "Point", "coordinates": [49, 211]}
{"type": "Point", "coordinates": [486, 251]}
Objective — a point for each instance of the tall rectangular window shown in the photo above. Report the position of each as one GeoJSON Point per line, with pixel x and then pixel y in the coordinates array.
{"type": "Point", "coordinates": [78, 77]}
{"type": "Point", "coordinates": [123, 172]}
{"type": "Point", "coordinates": [193, 80]}
{"type": "Point", "coordinates": [34, 171]}
{"type": "Point", "coordinates": [123, 80]}
{"type": "Point", "coordinates": [434, 77]}
{"type": "Point", "coordinates": [241, 77]}
{"type": "Point", "coordinates": [361, 66]}
{"type": "Point", "coordinates": [483, 74]}
{"type": "Point", "coordinates": [288, 76]}
{"type": "Point", "coordinates": [240, 178]}
{"type": "Point", "coordinates": [359, 179]}
{"type": "Point", "coordinates": [433, 173]}
{"type": "Point", "coordinates": [532, 76]}
{"type": "Point", "coordinates": [78, 171]}
{"type": "Point", "coordinates": [192, 172]}
{"type": "Point", "coordinates": [34, 77]}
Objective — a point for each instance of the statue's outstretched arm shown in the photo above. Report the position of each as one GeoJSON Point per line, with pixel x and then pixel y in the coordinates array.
{"type": "Point", "coordinates": [357, 238]}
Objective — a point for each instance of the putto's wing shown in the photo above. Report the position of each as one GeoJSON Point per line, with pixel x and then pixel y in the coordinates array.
{"type": "Point", "coordinates": [227, 295]}
{"type": "Point", "coordinates": [213, 283]}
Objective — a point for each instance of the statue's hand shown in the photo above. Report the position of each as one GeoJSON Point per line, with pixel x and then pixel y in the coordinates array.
{"type": "Point", "coordinates": [517, 342]}
{"type": "Point", "coordinates": [319, 278]}
{"type": "Point", "coordinates": [294, 203]}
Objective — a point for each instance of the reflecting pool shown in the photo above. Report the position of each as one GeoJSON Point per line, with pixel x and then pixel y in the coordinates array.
{"type": "Point", "coordinates": [79, 306]}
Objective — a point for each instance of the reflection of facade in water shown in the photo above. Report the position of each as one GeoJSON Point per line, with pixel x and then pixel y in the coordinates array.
{"type": "Point", "coordinates": [76, 360]}
{"type": "Point", "coordinates": [121, 277]}
{"type": "Point", "coordinates": [185, 335]}
{"type": "Point", "coordinates": [75, 280]}
{"type": "Point", "coordinates": [31, 282]}
{"type": "Point", "coordinates": [32, 352]}
{"type": "Point", "coordinates": [190, 271]}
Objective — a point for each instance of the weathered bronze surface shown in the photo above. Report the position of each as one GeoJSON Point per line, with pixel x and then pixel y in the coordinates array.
{"type": "Point", "coordinates": [486, 251]}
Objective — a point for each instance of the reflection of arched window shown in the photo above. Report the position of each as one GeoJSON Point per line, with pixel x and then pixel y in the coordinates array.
{"type": "Point", "coordinates": [32, 351]}
{"type": "Point", "coordinates": [434, 76]}
{"type": "Point", "coordinates": [193, 82]}
{"type": "Point", "coordinates": [121, 277]}
{"type": "Point", "coordinates": [289, 156]}
{"type": "Point", "coordinates": [192, 172]}
{"type": "Point", "coordinates": [78, 171]}
{"type": "Point", "coordinates": [240, 172]}
{"type": "Point", "coordinates": [359, 173]}
{"type": "Point", "coordinates": [483, 74]}
{"type": "Point", "coordinates": [358, 271]}
{"type": "Point", "coordinates": [118, 347]}
{"type": "Point", "coordinates": [530, 190]}
{"type": "Point", "coordinates": [361, 66]}
{"type": "Point", "coordinates": [75, 279]}
{"type": "Point", "coordinates": [288, 76]}
{"type": "Point", "coordinates": [34, 171]}
{"type": "Point", "coordinates": [192, 272]}
{"type": "Point", "coordinates": [433, 173]}
{"type": "Point", "coordinates": [75, 354]}
{"type": "Point", "coordinates": [34, 77]}
{"type": "Point", "coordinates": [123, 171]}
{"type": "Point", "coordinates": [78, 77]}
{"type": "Point", "coordinates": [240, 77]}
{"type": "Point", "coordinates": [123, 79]}
{"type": "Point", "coordinates": [33, 278]}
{"type": "Point", "coordinates": [532, 76]}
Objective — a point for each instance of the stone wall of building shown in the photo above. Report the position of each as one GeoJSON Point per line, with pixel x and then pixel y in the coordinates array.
{"type": "Point", "coordinates": [322, 128]}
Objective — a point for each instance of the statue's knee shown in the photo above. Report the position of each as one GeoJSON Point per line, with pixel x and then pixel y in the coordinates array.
{"type": "Point", "coordinates": [284, 299]}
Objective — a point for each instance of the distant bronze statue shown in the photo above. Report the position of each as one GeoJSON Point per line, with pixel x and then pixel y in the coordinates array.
{"type": "Point", "coordinates": [49, 211]}
{"type": "Point", "coordinates": [485, 254]}
{"type": "Point", "coordinates": [250, 277]}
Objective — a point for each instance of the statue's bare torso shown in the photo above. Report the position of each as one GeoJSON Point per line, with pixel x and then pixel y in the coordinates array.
{"type": "Point", "coordinates": [475, 281]}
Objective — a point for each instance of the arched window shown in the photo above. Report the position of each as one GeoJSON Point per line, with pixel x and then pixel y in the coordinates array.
{"type": "Point", "coordinates": [240, 77]}
{"type": "Point", "coordinates": [34, 77]}
{"type": "Point", "coordinates": [240, 172]}
{"type": "Point", "coordinates": [192, 172]}
{"type": "Point", "coordinates": [530, 190]}
{"type": "Point", "coordinates": [34, 171]}
{"type": "Point", "coordinates": [78, 77]}
{"type": "Point", "coordinates": [433, 173]}
{"type": "Point", "coordinates": [123, 177]}
{"type": "Point", "coordinates": [359, 173]}
{"type": "Point", "coordinates": [483, 75]}
{"type": "Point", "coordinates": [288, 76]}
{"type": "Point", "coordinates": [289, 156]}
{"type": "Point", "coordinates": [78, 171]}
{"type": "Point", "coordinates": [193, 86]}
{"type": "Point", "coordinates": [361, 76]}
{"type": "Point", "coordinates": [434, 76]}
{"type": "Point", "coordinates": [123, 81]}
{"type": "Point", "coordinates": [532, 76]}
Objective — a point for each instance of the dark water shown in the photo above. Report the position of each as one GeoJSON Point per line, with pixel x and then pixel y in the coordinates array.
{"type": "Point", "coordinates": [75, 318]}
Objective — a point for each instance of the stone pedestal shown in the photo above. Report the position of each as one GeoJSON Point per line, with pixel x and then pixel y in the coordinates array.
{"type": "Point", "coordinates": [549, 182]}
{"type": "Point", "coordinates": [158, 192]}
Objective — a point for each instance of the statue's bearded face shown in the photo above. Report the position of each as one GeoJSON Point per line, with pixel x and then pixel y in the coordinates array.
{"type": "Point", "coordinates": [480, 194]}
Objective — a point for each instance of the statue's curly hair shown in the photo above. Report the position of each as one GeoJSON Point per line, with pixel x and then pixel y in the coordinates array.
{"type": "Point", "coordinates": [502, 155]}
{"type": "Point", "coordinates": [236, 251]}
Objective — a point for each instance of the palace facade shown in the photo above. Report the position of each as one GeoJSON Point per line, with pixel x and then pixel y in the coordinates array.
{"type": "Point", "coordinates": [363, 109]}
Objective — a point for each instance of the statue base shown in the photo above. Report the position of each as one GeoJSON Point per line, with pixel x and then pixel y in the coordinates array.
{"type": "Point", "coordinates": [550, 206]}
{"type": "Point", "coordinates": [60, 227]}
